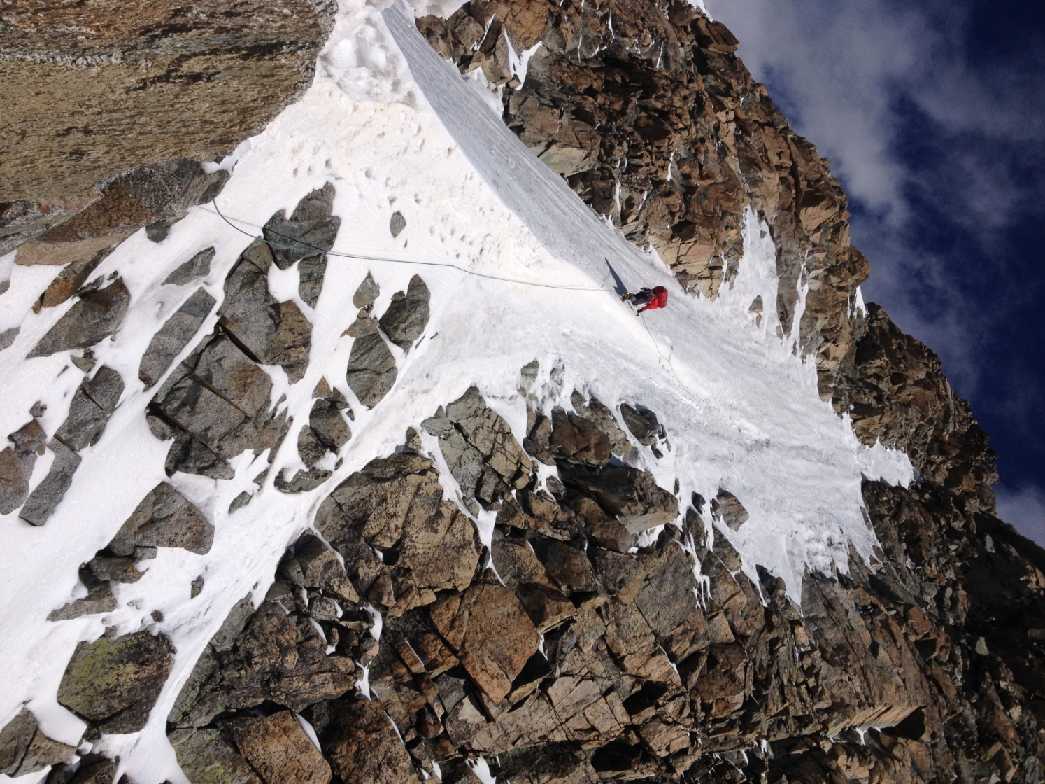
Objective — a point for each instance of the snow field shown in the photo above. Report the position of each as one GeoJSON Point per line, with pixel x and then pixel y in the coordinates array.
{"type": "Point", "coordinates": [395, 128]}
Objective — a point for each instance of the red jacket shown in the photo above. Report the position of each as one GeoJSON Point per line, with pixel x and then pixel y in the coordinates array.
{"type": "Point", "coordinates": [659, 300]}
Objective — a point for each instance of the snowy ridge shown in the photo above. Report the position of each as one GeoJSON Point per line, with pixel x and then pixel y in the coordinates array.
{"type": "Point", "coordinates": [395, 128]}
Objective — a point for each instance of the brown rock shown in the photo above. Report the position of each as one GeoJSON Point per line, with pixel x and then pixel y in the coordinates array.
{"type": "Point", "coordinates": [68, 282]}
{"type": "Point", "coordinates": [278, 750]}
{"type": "Point", "coordinates": [364, 748]}
{"type": "Point", "coordinates": [894, 389]}
{"type": "Point", "coordinates": [205, 755]}
{"type": "Point", "coordinates": [492, 634]}
{"type": "Point", "coordinates": [396, 505]}
{"type": "Point", "coordinates": [479, 448]}
{"type": "Point", "coordinates": [727, 509]}
{"type": "Point", "coordinates": [276, 653]}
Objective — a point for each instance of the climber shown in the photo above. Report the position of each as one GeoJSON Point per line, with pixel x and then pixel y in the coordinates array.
{"type": "Point", "coordinates": [648, 299]}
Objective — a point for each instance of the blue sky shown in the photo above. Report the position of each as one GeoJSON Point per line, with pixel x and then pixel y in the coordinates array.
{"type": "Point", "coordinates": [933, 116]}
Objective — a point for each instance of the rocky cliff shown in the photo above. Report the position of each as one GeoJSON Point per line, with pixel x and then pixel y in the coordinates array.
{"type": "Point", "coordinates": [320, 565]}
{"type": "Point", "coordinates": [106, 103]}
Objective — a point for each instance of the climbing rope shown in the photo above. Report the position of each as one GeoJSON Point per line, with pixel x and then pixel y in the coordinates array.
{"type": "Point", "coordinates": [391, 259]}
{"type": "Point", "coordinates": [294, 242]}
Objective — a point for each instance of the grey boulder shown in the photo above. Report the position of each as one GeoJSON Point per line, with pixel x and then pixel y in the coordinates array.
{"type": "Point", "coordinates": [95, 316]}
{"type": "Point", "coordinates": [407, 315]}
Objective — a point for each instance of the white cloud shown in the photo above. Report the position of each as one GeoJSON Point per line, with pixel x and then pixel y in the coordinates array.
{"type": "Point", "coordinates": [1024, 509]}
{"type": "Point", "coordinates": [838, 66]}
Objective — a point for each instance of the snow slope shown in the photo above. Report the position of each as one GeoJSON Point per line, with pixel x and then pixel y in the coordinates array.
{"type": "Point", "coordinates": [395, 128]}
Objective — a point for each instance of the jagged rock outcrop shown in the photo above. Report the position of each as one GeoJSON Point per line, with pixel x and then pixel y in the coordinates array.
{"type": "Point", "coordinates": [647, 112]}
{"type": "Point", "coordinates": [401, 540]}
{"type": "Point", "coordinates": [215, 405]}
{"type": "Point", "coordinates": [267, 749]}
{"type": "Point", "coordinates": [372, 370]}
{"type": "Point", "coordinates": [407, 315]}
{"type": "Point", "coordinates": [92, 405]}
{"type": "Point", "coordinates": [309, 231]}
{"type": "Point", "coordinates": [269, 331]}
{"type": "Point", "coordinates": [895, 390]}
{"type": "Point", "coordinates": [321, 440]}
{"type": "Point", "coordinates": [89, 769]}
{"type": "Point", "coordinates": [280, 652]}
{"type": "Point", "coordinates": [564, 653]}
{"type": "Point", "coordinates": [164, 518]}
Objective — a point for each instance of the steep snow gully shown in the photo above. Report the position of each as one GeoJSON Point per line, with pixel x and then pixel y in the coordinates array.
{"type": "Point", "coordinates": [394, 128]}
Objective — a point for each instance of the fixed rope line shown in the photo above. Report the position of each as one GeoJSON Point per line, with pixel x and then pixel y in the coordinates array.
{"type": "Point", "coordinates": [294, 242]}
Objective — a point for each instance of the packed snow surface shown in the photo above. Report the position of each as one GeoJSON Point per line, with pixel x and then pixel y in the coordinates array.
{"type": "Point", "coordinates": [395, 128]}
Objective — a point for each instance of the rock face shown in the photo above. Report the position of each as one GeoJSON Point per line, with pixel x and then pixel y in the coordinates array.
{"type": "Point", "coordinates": [395, 507]}
{"type": "Point", "coordinates": [92, 405]}
{"type": "Point", "coordinates": [134, 101]}
{"type": "Point", "coordinates": [273, 333]}
{"type": "Point", "coordinates": [479, 448]}
{"type": "Point", "coordinates": [309, 231]}
{"type": "Point", "coordinates": [562, 652]}
{"type": "Point", "coordinates": [152, 195]}
{"type": "Point", "coordinates": [192, 270]}
{"type": "Point", "coordinates": [364, 749]}
{"type": "Point", "coordinates": [90, 769]}
{"type": "Point", "coordinates": [132, 89]}
{"type": "Point", "coordinates": [252, 750]}
{"type": "Point", "coordinates": [279, 652]}
{"type": "Point", "coordinates": [214, 405]}
{"type": "Point", "coordinates": [46, 496]}
{"type": "Point", "coordinates": [371, 369]}
{"type": "Point", "coordinates": [164, 518]}
{"type": "Point", "coordinates": [325, 435]}
{"type": "Point", "coordinates": [491, 633]}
